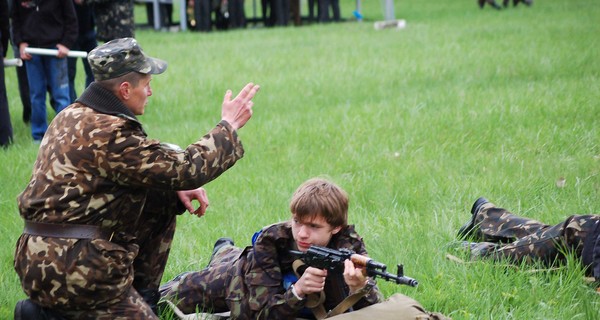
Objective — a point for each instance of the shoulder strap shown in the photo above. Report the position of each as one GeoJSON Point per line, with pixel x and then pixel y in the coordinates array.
{"type": "Point", "coordinates": [314, 301]}
{"type": "Point", "coordinates": [351, 299]}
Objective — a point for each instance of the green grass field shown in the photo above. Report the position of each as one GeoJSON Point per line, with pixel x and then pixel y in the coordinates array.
{"type": "Point", "coordinates": [415, 124]}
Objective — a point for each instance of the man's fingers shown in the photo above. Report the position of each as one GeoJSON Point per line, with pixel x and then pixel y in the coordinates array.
{"type": "Point", "coordinates": [247, 92]}
{"type": "Point", "coordinates": [189, 207]}
{"type": "Point", "coordinates": [227, 96]}
{"type": "Point", "coordinates": [203, 207]}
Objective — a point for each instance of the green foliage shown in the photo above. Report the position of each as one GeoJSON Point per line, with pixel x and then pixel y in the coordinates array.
{"type": "Point", "coordinates": [415, 124]}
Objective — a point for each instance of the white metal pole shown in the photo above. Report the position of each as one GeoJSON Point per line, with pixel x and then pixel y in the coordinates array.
{"type": "Point", "coordinates": [54, 52]}
{"type": "Point", "coordinates": [16, 62]}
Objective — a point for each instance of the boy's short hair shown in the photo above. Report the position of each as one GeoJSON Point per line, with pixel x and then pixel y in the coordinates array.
{"type": "Point", "coordinates": [320, 196]}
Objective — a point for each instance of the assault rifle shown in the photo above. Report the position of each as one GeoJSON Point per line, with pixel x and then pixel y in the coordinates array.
{"type": "Point", "coordinates": [333, 260]}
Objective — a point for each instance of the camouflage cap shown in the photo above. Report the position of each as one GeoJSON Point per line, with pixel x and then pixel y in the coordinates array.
{"type": "Point", "coordinates": [121, 56]}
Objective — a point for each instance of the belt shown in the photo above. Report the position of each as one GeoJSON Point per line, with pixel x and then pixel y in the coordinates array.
{"type": "Point", "coordinates": [61, 230]}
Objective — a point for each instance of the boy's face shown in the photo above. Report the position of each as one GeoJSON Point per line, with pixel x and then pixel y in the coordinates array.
{"type": "Point", "coordinates": [312, 232]}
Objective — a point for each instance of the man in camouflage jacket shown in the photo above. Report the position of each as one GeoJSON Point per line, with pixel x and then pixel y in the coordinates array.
{"type": "Point", "coordinates": [503, 235]}
{"type": "Point", "coordinates": [101, 204]}
{"type": "Point", "coordinates": [259, 282]}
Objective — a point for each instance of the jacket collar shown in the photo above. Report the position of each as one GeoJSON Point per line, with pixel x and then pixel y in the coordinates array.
{"type": "Point", "coordinates": [104, 101]}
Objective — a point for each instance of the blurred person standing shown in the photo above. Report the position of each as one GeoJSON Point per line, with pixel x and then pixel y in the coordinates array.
{"type": "Point", "coordinates": [324, 14]}
{"type": "Point", "coordinates": [237, 14]}
{"type": "Point", "coordinates": [86, 41]}
{"type": "Point", "coordinates": [114, 19]}
{"type": "Point", "coordinates": [50, 24]}
{"type": "Point", "coordinates": [21, 75]}
{"type": "Point", "coordinates": [6, 133]}
{"type": "Point", "coordinates": [165, 14]}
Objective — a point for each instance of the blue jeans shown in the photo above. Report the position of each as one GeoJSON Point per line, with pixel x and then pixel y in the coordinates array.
{"type": "Point", "coordinates": [46, 73]}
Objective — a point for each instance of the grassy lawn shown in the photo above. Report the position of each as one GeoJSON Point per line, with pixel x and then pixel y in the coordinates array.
{"type": "Point", "coordinates": [415, 124]}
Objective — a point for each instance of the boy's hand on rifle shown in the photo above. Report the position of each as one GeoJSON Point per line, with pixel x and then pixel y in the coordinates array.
{"type": "Point", "coordinates": [353, 276]}
{"type": "Point", "coordinates": [312, 281]}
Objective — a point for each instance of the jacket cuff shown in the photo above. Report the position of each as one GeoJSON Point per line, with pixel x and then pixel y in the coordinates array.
{"type": "Point", "coordinates": [292, 300]}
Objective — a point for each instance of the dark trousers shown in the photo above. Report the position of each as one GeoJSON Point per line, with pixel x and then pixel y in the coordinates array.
{"type": "Point", "coordinates": [237, 14]}
{"type": "Point", "coordinates": [23, 87]}
{"type": "Point", "coordinates": [324, 10]}
{"type": "Point", "coordinates": [276, 12]}
{"type": "Point", "coordinates": [6, 131]}
{"type": "Point", "coordinates": [202, 15]}
{"type": "Point", "coordinates": [85, 42]}
{"type": "Point", "coordinates": [281, 9]}
{"type": "Point", "coordinates": [165, 14]}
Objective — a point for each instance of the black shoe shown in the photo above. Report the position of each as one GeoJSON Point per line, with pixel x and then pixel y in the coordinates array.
{"type": "Point", "coordinates": [220, 243]}
{"type": "Point", "coordinates": [29, 310]}
{"type": "Point", "coordinates": [466, 231]}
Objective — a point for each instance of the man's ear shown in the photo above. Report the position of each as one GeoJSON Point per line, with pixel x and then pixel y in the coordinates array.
{"type": "Point", "coordinates": [125, 90]}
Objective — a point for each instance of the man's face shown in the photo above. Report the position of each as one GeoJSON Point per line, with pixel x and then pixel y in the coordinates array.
{"type": "Point", "coordinates": [138, 96]}
{"type": "Point", "coordinates": [312, 232]}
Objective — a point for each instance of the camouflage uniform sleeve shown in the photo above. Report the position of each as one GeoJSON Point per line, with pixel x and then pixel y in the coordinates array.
{"type": "Point", "coordinates": [136, 161]}
{"type": "Point", "coordinates": [267, 297]}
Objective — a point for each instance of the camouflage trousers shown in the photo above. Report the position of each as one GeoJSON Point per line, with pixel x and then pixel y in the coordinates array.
{"type": "Point", "coordinates": [206, 290]}
{"type": "Point", "coordinates": [508, 236]}
{"type": "Point", "coordinates": [97, 279]}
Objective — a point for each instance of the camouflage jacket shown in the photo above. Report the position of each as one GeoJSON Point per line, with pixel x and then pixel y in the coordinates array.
{"type": "Point", "coordinates": [114, 19]}
{"type": "Point", "coordinates": [261, 294]}
{"type": "Point", "coordinates": [96, 166]}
